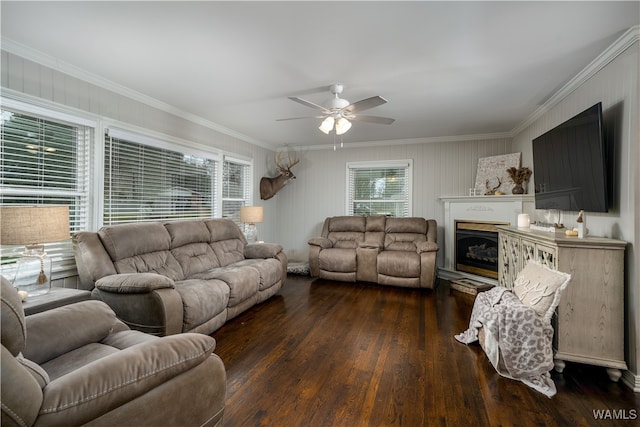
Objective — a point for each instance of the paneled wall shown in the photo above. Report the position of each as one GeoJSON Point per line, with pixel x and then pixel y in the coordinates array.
{"type": "Point", "coordinates": [444, 168]}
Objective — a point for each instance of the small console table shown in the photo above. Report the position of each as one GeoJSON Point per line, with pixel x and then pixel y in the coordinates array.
{"type": "Point", "coordinates": [56, 297]}
{"type": "Point", "coordinates": [589, 322]}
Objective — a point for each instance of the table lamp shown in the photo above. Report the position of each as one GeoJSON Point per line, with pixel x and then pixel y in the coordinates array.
{"type": "Point", "coordinates": [32, 226]}
{"type": "Point", "coordinates": [251, 215]}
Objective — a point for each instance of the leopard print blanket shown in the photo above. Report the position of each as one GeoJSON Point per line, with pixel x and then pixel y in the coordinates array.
{"type": "Point", "coordinates": [518, 342]}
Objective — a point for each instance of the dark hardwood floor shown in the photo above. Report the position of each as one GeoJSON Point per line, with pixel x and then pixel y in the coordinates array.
{"type": "Point", "coordinates": [324, 353]}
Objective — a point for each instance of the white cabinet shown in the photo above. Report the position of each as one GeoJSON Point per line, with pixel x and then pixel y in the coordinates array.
{"type": "Point", "coordinates": [589, 322]}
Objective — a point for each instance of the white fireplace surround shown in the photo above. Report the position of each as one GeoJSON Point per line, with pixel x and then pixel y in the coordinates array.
{"type": "Point", "coordinates": [496, 209]}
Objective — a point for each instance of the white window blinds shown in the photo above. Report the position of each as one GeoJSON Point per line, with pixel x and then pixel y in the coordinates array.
{"type": "Point", "coordinates": [45, 161]}
{"type": "Point", "coordinates": [236, 188]}
{"type": "Point", "coordinates": [147, 180]}
{"type": "Point", "coordinates": [379, 188]}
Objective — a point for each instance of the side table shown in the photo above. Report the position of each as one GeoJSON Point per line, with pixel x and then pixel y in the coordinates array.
{"type": "Point", "coordinates": [56, 297]}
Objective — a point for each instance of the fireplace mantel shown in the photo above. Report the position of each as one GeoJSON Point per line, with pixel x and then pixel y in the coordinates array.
{"type": "Point", "coordinates": [478, 208]}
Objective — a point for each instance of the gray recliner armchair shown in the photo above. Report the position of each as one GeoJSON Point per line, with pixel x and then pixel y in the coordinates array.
{"type": "Point", "coordinates": [80, 365]}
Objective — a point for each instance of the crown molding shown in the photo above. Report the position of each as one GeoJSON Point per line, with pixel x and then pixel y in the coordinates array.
{"type": "Point", "coordinates": [631, 36]}
{"type": "Point", "coordinates": [407, 141]}
{"type": "Point", "coordinates": [49, 61]}
{"type": "Point", "coordinates": [625, 41]}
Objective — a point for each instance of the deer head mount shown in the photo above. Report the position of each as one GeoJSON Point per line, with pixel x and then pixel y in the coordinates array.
{"type": "Point", "coordinates": [270, 186]}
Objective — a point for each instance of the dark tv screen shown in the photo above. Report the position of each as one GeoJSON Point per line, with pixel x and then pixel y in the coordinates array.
{"type": "Point", "coordinates": [569, 165]}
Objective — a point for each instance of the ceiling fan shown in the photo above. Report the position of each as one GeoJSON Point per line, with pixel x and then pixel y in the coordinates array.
{"type": "Point", "coordinates": [339, 112]}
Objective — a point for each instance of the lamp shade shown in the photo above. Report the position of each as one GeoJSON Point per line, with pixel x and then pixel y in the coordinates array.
{"type": "Point", "coordinates": [251, 214]}
{"type": "Point", "coordinates": [28, 225]}
{"type": "Point", "coordinates": [342, 126]}
{"type": "Point", "coordinates": [327, 125]}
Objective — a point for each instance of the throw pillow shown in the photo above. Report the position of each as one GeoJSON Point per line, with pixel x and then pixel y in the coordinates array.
{"type": "Point", "coordinates": [540, 288]}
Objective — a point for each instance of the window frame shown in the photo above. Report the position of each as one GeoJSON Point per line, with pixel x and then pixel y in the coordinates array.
{"type": "Point", "coordinates": [406, 164]}
{"type": "Point", "coordinates": [247, 187]}
{"type": "Point", "coordinates": [165, 143]}
{"type": "Point", "coordinates": [61, 253]}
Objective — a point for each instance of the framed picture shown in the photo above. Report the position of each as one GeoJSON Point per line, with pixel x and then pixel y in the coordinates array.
{"type": "Point", "coordinates": [492, 173]}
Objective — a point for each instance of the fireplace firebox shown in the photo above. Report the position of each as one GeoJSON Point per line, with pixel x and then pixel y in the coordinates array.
{"type": "Point", "coordinates": [476, 247]}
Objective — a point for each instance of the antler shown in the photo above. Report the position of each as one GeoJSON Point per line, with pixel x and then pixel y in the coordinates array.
{"type": "Point", "coordinates": [290, 161]}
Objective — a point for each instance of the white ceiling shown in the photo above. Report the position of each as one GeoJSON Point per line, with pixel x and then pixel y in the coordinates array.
{"type": "Point", "coordinates": [446, 68]}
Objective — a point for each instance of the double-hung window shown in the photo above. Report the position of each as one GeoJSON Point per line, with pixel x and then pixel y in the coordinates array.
{"type": "Point", "coordinates": [44, 160]}
{"type": "Point", "coordinates": [147, 179]}
{"type": "Point", "coordinates": [236, 187]}
{"type": "Point", "coordinates": [379, 188]}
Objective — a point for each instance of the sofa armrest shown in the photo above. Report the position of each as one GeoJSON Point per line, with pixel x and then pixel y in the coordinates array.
{"type": "Point", "coordinates": [426, 247]}
{"type": "Point", "coordinates": [134, 283]}
{"type": "Point", "coordinates": [262, 250]}
{"type": "Point", "coordinates": [321, 242]}
{"type": "Point", "coordinates": [58, 331]}
{"type": "Point", "coordinates": [146, 302]}
{"type": "Point", "coordinates": [98, 388]}
{"type": "Point", "coordinates": [367, 261]}
{"type": "Point", "coordinates": [370, 245]}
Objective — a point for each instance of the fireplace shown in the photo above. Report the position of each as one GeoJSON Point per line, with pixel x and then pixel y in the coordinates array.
{"type": "Point", "coordinates": [476, 247]}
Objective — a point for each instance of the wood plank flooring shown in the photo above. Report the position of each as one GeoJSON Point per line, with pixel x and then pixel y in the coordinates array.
{"type": "Point", "coordinates": [325, 353]}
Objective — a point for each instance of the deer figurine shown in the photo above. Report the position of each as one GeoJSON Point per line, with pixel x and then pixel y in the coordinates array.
{"type": "Point", "coordinates": [270, 186]}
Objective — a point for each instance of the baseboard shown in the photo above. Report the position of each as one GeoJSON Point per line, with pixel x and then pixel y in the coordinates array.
{"type": "Point", "coordinates": [631, 380]}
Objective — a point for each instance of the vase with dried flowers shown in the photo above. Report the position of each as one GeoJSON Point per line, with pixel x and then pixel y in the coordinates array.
{"type": "Point", "coordinates": [519, 176]}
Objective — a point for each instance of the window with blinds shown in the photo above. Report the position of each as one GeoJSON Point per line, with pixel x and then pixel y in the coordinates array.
{"type": "Point", "coordinates": [379, 188]}
{"type": "Point", "coordinates": [45, 161]}
{"type": "Point", "coordinates": [148, 180]}
{"type": "Point", "coordinates": [236, 188]}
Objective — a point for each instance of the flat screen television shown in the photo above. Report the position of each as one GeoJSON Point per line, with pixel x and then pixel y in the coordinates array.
{"type": "Point", "coordinates": [570, 165]}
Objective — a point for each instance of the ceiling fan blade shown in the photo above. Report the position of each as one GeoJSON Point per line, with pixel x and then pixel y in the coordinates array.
{"type": "Point", "coordinates": [365, 104]}
{"type": "Point", "coordinates": [308, 103]}
{"type": "Point", "coordinates": [299, 118]}
{"type": "Point", "coordinates": [372, 119]}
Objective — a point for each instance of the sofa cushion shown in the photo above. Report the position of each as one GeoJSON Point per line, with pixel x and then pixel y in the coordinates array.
{"type": "Point", "coordinates": [228, 251]}
{"type": "Point", "coordinates": [376, 223]}
{"type": "Point", "coordinates": [403, 234]}
{"type": "Point", "coordinates": [406, 225]}
{"type": "Point", "coordinates": [76, 358]}
{"type": "Point", "coordinates": [346, 239]}
{"type": "Point", "coordinates": [338, 260]}
{"type": "Point", "coordinates": [185, 232]}
{"type": "Point", "coordinates": [399, 263]}
{"type": "Point", "coordinates": [128, 240]}
{"type": "Point", "coordinates": [224, 229]}
{"type": "Point", "coordinates": [242, 281]}
{"type": "Point", "coordinates": [270, 270]}
{"type": "Point", "coordinates": [348, 223]}
{"type": "Point", "coordinates": [195, 258]}
{"type": "Point", "coordinates": [160, 262]}
{"type": "Point", "coordinates": [201, 300]}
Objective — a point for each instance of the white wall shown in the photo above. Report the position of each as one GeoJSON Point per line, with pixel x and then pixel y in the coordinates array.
{"type": "Point", "coordinates": [445, 168]}
{"type": "Point", "coordinates": [616, 86]}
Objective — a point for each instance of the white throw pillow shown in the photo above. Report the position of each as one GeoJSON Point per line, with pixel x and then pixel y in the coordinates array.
{"type": "Point", "coordinates": [540, 288]}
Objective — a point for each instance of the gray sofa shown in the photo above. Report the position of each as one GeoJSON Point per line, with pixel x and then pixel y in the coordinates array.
{"type": "Point", "coordinates": [165, 278]}
{"type": "Point", "coordinates": [389, 251]}
{"type": "Point", "coordinates": [79, 365]}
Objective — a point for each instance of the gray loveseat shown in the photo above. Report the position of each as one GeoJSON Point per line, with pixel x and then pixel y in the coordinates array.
{"type": "Point", "coordinates": [165, 278]}
{"type": "Point", "coordinates": [388, 251]}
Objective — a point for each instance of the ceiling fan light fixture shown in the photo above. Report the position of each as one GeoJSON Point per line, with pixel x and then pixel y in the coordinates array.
{"type": "Point", "coordinates": [327, 125]}
{"type": "Point", "coordinates": [342, 126]}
